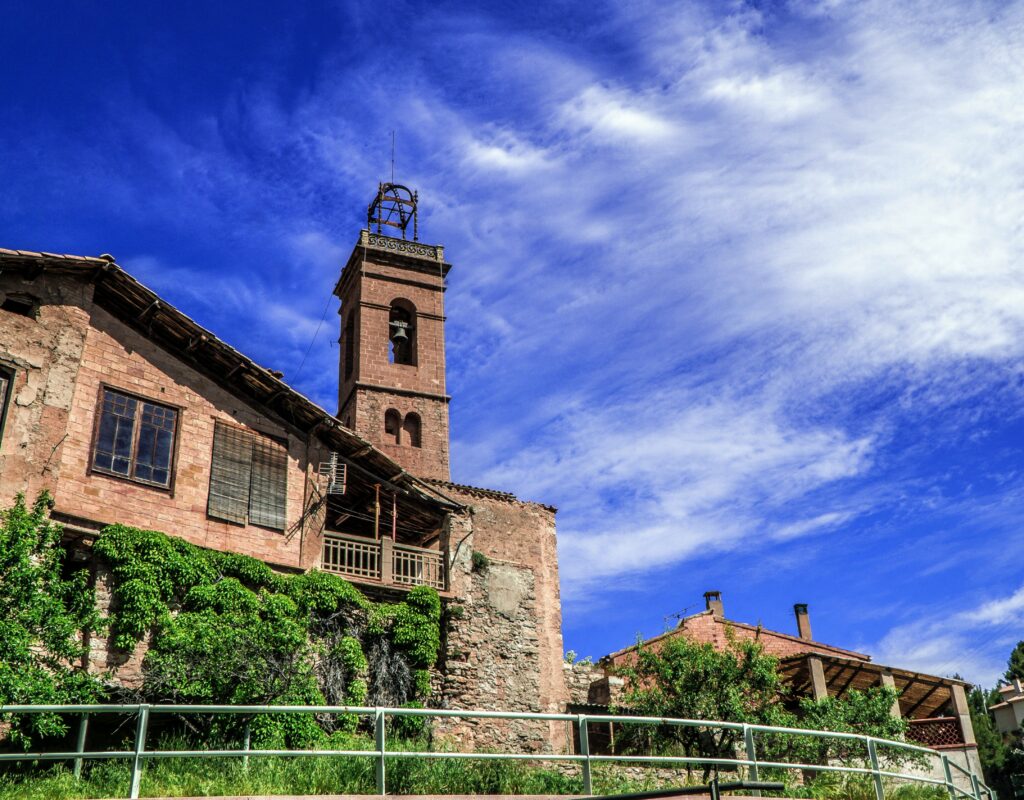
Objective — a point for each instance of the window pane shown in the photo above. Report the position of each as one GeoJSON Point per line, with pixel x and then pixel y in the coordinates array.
{"type": "Point", "coordinates": [230, 474]}
{"type": "Point", "coordinates": [156, 444]}
{"type": "Point", "coordinates": [114, 440]}
{"type": "Point", "coordinates": [267, 498]}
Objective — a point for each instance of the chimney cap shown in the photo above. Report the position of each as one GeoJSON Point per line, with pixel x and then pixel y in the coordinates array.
{"type": "Point", "coordinates": [800, 608]}
{"type": "Point", "coordinates": [713, 602]}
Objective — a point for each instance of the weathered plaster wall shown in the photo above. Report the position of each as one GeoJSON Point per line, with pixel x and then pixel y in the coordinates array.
{"type": "Point", "coordinates": [43, 355]}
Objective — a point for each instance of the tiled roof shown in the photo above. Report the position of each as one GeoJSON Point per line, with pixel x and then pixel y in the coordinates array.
{"type": "Point", "coordinates": [478, 491]}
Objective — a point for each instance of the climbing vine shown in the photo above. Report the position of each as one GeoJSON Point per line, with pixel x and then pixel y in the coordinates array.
{"type": "Point", "coordinates": [222, 628]}
{"type": "Point", "coordinates": [225, 628]}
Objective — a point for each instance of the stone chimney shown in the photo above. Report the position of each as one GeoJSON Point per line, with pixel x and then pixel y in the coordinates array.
{"type": "Point", "coordinates": [713, 601]}
{"type": "Point", "coordinates": [803, 621]}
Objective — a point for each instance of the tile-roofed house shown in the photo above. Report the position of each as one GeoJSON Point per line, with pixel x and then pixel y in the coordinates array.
{"type": "Point", "coordinates": [935, 707]}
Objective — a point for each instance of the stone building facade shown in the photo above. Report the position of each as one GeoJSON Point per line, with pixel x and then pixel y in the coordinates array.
{"type": "Point", "coordinates": [128, 411]}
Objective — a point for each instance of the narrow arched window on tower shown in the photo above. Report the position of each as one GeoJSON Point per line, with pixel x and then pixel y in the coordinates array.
{"type": "Point", "coordinates": [350, 345]}
{"type": "Point", "coordinates": [412, 427]}
{"type": "Point", "coordinates": [402, 333]}
{"type": "Point", "coordinates": [392, 426]}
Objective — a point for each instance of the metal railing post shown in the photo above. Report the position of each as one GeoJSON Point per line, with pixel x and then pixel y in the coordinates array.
{"type": "Point", "coordinates": [140, 746]}
{"type": "Point", "coordinates": [588, 782]}
{"type": "Point", "coordinates": [748, 745]}
{"type": "Point", "coordinates": [381, 737]}
{"type": "Point", "coordinates": [948, 772]}
{"type": "Point", "coordinates": [976, 785]}
{"type": "Point", "coordinates": [875, 774]}
{"type": "Point", "coordinates": [247, 744]}
{"type": "Point", "coordinates": [83, 728]}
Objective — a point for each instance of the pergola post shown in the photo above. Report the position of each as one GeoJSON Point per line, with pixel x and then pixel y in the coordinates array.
{"type": "Point", "coordinates": [819, 687]}
{"type": "Point", "coordinates": [885, 678]}
{"type": "Point", "coordinates": [963, 712]}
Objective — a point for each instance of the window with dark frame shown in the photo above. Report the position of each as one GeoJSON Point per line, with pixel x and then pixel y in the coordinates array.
{"type": "Point", "coordinates": [6, 380]}
{"type": "Point", "coordinates": [135, 439]}
{"type": "Point", "coordinates": [248, 478]}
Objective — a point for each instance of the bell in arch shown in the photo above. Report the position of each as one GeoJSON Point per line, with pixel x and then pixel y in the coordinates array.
{"type": "Point", "coordinates": [398, 333]}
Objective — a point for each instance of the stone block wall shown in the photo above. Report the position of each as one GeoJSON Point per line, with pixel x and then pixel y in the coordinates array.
{"type": "Point", "coordinates": [504, 643]}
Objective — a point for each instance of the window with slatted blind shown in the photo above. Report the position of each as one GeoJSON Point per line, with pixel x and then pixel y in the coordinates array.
{"type": "Point", "coordinates": [248, 478]}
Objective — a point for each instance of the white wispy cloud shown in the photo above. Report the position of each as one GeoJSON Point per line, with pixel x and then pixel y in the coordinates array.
{"type": "Point", "coordinates": [973, 642]}
{"type": "Point", "coordinates": [711, 262]}
{"type": "Point", "coordinates": [617, 116]}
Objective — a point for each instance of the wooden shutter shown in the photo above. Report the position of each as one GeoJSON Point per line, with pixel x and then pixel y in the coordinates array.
{"type": "Point", "coordinates": [267, 495]}
{"type": "Point", "coordinates": [230, 474]}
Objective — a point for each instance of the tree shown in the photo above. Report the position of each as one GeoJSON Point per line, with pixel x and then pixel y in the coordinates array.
{"type": "Point", "coordinates": [686, 680]}
{"type": "Point", "coordinates": [741, 683]}
{"type": "Point", "coordinates": [1015, 665]}
{"type": "Point", "coordinates": [992, 750]}
{"type": "Point", "coordinates": [866, 712]}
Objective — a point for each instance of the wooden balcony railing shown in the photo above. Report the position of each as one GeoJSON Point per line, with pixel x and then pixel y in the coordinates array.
{"type": "Point", "coordinates": [382, 561]}
{"type": "Point", "coordinates": [936, 732]}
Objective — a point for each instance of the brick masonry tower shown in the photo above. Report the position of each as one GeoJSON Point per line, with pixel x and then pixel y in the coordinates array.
{"type": "Point", "coordinates": [392, 370]}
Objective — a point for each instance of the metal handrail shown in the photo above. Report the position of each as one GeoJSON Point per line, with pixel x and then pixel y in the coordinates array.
{"type": "Point", "coordinates": [139, 754]}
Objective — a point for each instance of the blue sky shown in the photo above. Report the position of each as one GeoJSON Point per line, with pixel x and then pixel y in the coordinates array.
{"type": "Point", "coordinates": [738, 287]}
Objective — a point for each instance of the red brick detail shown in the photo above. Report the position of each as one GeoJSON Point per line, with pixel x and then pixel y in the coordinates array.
{"type": "Point", "coordinates": [60, 362]}
{"type": "Point", "coordinates": [374, 385]}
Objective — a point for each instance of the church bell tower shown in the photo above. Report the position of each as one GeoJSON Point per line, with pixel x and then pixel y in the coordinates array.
{"type": "Point", "coordinates": [392, 373]}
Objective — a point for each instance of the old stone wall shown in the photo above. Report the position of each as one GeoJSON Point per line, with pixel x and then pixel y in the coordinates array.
{"type": "Point", "coordinates": [588, 684]}
{"type": "Point", "coordinates": [40, 354]}
{"type": "Point", "coordinates": [504, 647]}
{"type": "Point", "coordinates": [124, 667]}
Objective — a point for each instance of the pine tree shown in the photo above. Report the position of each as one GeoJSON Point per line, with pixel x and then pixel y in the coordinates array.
{"type": "Point", "coordinates": [1015, 666]}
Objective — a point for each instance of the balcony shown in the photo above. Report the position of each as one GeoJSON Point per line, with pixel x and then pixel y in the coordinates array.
{"type": "Point", "coordinates": [384, 562]}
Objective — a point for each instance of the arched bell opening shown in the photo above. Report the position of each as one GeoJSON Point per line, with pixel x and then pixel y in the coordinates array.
{"type": "Point", "coordinates": [402, 333]}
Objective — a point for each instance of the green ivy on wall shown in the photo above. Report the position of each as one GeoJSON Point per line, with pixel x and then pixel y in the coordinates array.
{"type": "Point", "coordinates": [222, 628]}
{"type": "Point", "coordinates": [225, 628]}
{"type": "Point", "coordinates": [43, 611]}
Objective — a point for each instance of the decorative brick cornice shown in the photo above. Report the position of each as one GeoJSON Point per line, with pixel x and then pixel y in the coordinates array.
{"type": "Point", "coordinates": [402, 246]}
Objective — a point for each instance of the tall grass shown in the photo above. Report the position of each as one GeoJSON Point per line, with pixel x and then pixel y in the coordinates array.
{"type": "Point", "coordinates": [204, 777]}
